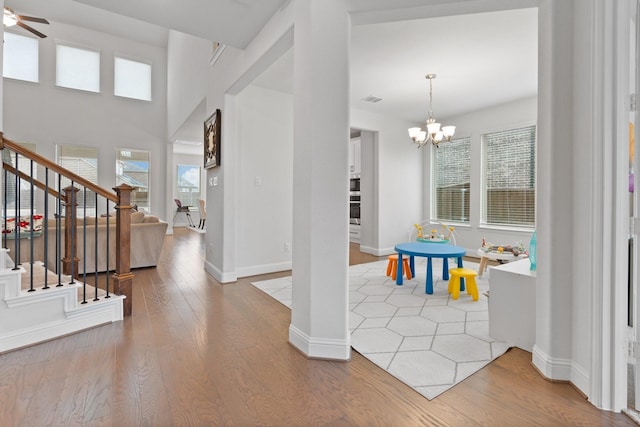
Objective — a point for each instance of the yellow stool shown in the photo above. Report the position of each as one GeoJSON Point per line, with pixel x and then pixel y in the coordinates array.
{"type": "Point", "coordinates": [454, 282]}
{"type": "Point", "coordinates": [392, 267]}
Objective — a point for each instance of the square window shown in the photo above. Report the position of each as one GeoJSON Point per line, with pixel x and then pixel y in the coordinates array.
{"type": "Point", "coordinates": [77, 68]}
{"type": "Point", "coordinates": [132, 79]}
{"type": "Point", "coordinates": [20, 57]}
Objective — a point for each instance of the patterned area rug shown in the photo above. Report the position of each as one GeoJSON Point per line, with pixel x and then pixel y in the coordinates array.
{"type": "Point", "coordinates": [430, 342]}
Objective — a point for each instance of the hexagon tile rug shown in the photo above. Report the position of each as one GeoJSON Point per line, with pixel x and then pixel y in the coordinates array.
{"type": "Point", "coordinates": [430, 342]}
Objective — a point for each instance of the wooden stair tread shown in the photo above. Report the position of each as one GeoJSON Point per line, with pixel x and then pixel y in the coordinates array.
{"type": "Point", "coordinates": [39, 270]}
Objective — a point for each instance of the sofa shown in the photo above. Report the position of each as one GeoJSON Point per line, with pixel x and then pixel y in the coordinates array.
{"type": "Point", "coordinates": [147, 237]}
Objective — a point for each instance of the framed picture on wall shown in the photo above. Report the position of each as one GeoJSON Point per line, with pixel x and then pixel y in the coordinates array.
{"type": "Point", "coordinates": [212, 140]}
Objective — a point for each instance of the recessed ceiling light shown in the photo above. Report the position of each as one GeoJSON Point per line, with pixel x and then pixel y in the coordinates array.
{"type": "Point", "coordinates": [185, 142]}
{"type": "Point", "coordinates": [371, 98]}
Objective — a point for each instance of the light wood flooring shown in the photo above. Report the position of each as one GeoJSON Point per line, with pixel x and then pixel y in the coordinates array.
{"type": "Point", "coordinates": [197, 353]}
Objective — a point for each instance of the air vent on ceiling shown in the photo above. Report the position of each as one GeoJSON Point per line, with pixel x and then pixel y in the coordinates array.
{"type": "Point", "coordinates": [371, 98]}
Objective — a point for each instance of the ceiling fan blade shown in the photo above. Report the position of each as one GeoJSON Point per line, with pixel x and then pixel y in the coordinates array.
{"type": "Point", "coordinates": [28, 28]}
{"type": "Point", "coordinates": [32, 19]}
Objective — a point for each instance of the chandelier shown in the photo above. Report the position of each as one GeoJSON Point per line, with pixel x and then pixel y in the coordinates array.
{"type": "Point", "coordinates": [434, 133]}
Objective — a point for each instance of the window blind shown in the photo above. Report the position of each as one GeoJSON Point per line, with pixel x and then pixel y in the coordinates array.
{"type": "Point", "coordinates": [509, 177]}
{"type": "Point", "coordinates": [82, 160]}
{"type": "Point", "coordinates": [132, 79]}
{"type": "Point", "coordinates": [451, 177]}
{"type": "Point", "coordinates": [77, 68]}
{"type": "Point", "coordinates": [24, 165]}
{"type": "Point", "coordinates": [20, 57]}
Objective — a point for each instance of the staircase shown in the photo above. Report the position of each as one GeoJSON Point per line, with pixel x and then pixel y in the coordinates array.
{"type": "Point", "coordinates": [41, 299]}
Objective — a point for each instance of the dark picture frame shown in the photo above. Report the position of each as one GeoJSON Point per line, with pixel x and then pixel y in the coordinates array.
{"type": "Point", "coordinates": [212, 128]}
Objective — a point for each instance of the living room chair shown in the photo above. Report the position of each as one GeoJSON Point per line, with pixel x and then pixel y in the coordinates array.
{"type": "Point", "coordinates": [203, 214]}
{"type": "Point", "coordinates": [183, 209]}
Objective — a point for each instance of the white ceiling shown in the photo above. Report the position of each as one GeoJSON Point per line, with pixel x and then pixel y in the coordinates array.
{"type": "Point", "coordinates": [480, 59]}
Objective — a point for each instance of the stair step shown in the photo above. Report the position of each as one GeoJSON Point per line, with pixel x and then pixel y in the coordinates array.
{"type": "Point", "coordinates": [38, 271]}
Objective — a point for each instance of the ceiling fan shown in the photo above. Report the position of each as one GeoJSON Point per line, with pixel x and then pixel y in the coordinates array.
{"type": "Point", "coordinates": [10, 19]}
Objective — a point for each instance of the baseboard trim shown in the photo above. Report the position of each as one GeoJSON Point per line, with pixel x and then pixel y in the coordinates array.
{"type": "Point", "coordinates": [263, 269]}
{"type": "Point", "coordinates": [319, 348]}
{"type": "Point", "coordinates": [219, 275]}
{"type": "Point", "coordinates": [90, 316]}
{"type": "Point", "coordinates": [550, 367]}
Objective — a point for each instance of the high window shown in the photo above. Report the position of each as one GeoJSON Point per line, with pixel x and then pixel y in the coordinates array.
{"type": "Point", "coordinates": [509, 190]}
{"type": "Point", "coordinates": [20, 57]}
{"type": "Point", "coordinates": [83, 161]}
{"type": "Point", "coordinates": [132, 79]}
{"type": "Point", "coordinates": [188, 184]}
{"type": "Point", "coordinates": [451, 166]}
{"type": "Point", "coordinates": [132, 168]}
{"type": "Point", "coordinates": [77, 68]}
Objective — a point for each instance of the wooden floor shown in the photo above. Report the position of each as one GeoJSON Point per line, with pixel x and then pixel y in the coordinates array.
{"type": "Point", "coordinates": [198, 353]}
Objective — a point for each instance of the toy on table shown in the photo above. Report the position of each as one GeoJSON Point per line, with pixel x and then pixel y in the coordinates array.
{"type": "Point", "coordinates": [516, 250]}
{"type": "Point", "coordinates": [433, 235]}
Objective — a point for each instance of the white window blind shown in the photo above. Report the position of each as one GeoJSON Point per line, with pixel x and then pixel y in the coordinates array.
{"type": "Point", "coordinates": [451, 177]}
{"type": "Point", "coordinates": [509, 177]}
{"type": "Point", "coordinates": [83, 161]}
{"type": "Point", "coordinates": [132, 79]}
{"type": "Point", "coordinates": [132, 168]}
{"type": "Point", "coordinates": [188, 184]}
{"type": "Point", "coordinates": [24, 166]}
{"type": "Point", "coordinates": [77, 68]}
{"type": "Point", "coordinates": [20, 57]}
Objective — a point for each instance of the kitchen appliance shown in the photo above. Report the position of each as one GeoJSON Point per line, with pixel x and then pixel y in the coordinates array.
{"type": "Point", "coordinates": [354, 183]}
{"type": "Point", "coordinates": [354, 208]}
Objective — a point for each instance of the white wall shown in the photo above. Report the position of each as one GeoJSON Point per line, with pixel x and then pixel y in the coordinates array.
{"type": "Point", "coordinates": [47, 115]}
{"type": "Point", "coordinates": [397, 176]}
{"type": "Point", "coordinates": [500, 117]}
{"type": "Point", "coordinates": [187, 73]}
{"type": "Point", "coordinates": [265, 180]}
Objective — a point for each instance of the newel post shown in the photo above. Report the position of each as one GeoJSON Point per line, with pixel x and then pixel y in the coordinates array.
{"type": "Point", "coordinates": [70, 257]}
{"type": "Point", "coordinates": [123, 278]}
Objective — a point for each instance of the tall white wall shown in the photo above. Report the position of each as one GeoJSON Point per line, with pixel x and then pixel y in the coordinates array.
{"type": "Point", "coordinates": [265, 181]}
{"type": "Point", "coordinates": [187, 73]}
{"type": "Point", "coordinates": [47, 115]}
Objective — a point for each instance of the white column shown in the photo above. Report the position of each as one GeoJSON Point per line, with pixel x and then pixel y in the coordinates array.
{"type": "Point", "coordinates": [319, 317]}
{"type": "Point", "coordinates": [554, 191]}
{"type": "Point", "coordinates": [582, 200]}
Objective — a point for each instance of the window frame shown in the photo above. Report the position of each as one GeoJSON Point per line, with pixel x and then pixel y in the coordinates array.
{"type": "Point", "coordinates": [6, 59]}
{"type": "Point", "coordinates": [116, 58]}
{"type": "Point", "coordinates": [523, 225]}
{"type": "Point", "coordinates": [24, 165]}
{"type": "Point", "coordinates": [191, 202]}
{"type": "Point", "coordinates": [91, 207]}
{"type": "Point", "coordinates": [97, 78]}
{"type": "Point", "coordinates": [145, 207]}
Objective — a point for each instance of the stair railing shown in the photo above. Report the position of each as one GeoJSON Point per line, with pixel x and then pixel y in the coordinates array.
{"type": "Point", "coordinates": [65, 258]}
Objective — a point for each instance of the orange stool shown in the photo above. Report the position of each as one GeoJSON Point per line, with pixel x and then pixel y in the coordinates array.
{"type": "Point", "coordinates": [454, 282]}
{"type": "Point", "coordinates": [392, 266]}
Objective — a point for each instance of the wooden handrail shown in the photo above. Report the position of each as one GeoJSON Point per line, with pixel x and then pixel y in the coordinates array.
{"type": "Point", "coordinates": [7, 143]}
{"type": "Point", "coordinates": [122, 278]}
{"type": "Point", "coordinates": [37, 183]}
